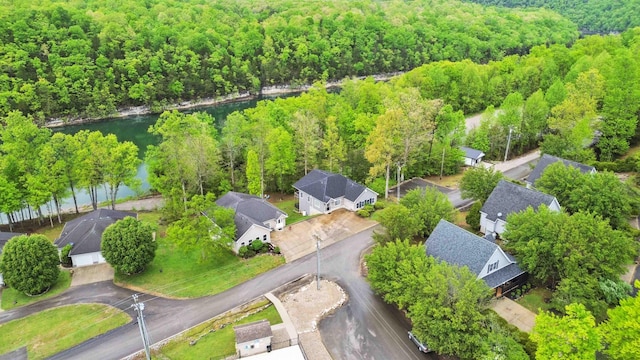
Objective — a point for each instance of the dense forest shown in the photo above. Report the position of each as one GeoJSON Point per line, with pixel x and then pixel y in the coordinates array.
{"type": "Point", "coordinates": [591, 16]}
{"type": "Point", "coordinates": [88, 58]}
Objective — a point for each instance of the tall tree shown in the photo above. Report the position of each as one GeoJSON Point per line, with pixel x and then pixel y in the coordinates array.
{"type": "Point", "coordinates": [428, 206]}
{"type": "Point", "coordinates": [381, 146]}
{"type": "Point", "coordinates": [573, 336]}
{"type": "Point", "coordinates": [281, 160]}
{"type": "Point", "coordinates": [333, 144]}
{"type": "Point", "coordinates": [621, 331]}
{"type": "Point", "coordinates": [479, 182]}
{"type": "Point", "coordinates": [254, 180]}
{"type": "Point", "coordinates": [307, 135]}
{"type": "Point", "coordinates": [233, 142]}
{"type": "Point", "coordinates": [121, 167]}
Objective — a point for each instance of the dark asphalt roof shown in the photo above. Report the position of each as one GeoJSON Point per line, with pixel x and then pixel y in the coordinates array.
{"type": "Point", "coordinates": [6, 236]}
{"type": "Point", "coordinates": [417, 183]}
{"type": "Point", "coordinates": [507, 198]}
{"type": "Point", "coordinates": [85, 232]}
{"type": "Point", "coordinates": [324, 185]}
{"type": "Point", "coordinates": [547, 160]}
{"type": "Point", "coordinates": [471, 153]}
{"type": "Point", "coordinates": [249, 209]}
{"type": "Point", "coordinates": [457, 246]}
{"type": "Point", "coordinates": [252, 331]}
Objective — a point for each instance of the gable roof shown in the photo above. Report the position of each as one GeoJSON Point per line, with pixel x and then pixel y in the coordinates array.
{"type": "Point", "coordinates": [547, 160]}
{"type": "Point", "coordinates": [5, 237]}
{"type": "Point", "coordinates": [252, 331]}
{"type": "Point", "coordinates": [471, 153]}
{"type": "Point", "coordinates": [457, 246]}
{"type": "Point", "coordinates": [85, 232]}
{"type": "Point", "coordinates": [507, 198]}
{"type": "Point", "coordinates": [249, 210]}
{"type": "Point", "coordinates": [325, 185]}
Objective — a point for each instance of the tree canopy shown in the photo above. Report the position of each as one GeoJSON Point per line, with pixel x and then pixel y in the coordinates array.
{"type": "Point", "coordinates": [129, 245]}
{"type": "Point", "coordinates": [29, 264]}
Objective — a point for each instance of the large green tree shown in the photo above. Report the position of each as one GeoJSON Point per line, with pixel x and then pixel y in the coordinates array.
{"type": "Point", "coordinates": [478, 183]}
{"type": "Point", "coordinates": [129, 245]}
{"type": "Point", "coordinates": [29, 264]}
{"type": "Point", "coordinates": [621, 331]}
{"type": "Point", "coordinates": [573, 336]}
{"type": "Point", "coordinates": [428, 206]}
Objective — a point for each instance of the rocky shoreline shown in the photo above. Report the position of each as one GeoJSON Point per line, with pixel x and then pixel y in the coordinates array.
{"type": "Point", "coordinates": [185, 105]}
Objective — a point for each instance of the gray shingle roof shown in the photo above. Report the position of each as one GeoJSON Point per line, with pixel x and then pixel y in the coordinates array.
{"type": "Point", "coordinates": [252, 331]}
{"type": "Point", "coordinates": [459, 247]}
{"type": "Point", "coordinates": [547, 160]}
{"type": "Point", "coordinates": [6, 236]}
{"type": "Point", "coordinates": [249, 209]}
{"type": "Point", "coordinates": [471, 153]}
{"type": "Point", "coordinates": [507, 198]}
{"type": "Point", "coordinates": [324, 185]}
{"type": "Point", "coordinates": [85, 232]}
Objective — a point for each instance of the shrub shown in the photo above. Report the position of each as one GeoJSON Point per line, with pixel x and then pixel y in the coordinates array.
{"type": "Point", "coordinates": [473, 217]}
{"type": "Point", "coordinates": [379, 205]}
{"type": "Point", "coordinates": [276, 250]}
{"type": "Point", "coordinates": [257, 245]}
{"type": "Point", "coordinates": [243, 251]}
{"type": "Point", "coordinates": [363, 213]}
{"type": "Point", "coordinates": [65, 260]}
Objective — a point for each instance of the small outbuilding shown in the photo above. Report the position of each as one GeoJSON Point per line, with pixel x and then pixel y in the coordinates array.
{"type": "Point", "coordinates": [472, 157]}
{"type": "Point", "coordinates": [253, 338]}
{"type": "Point", "coordinates": [85, 235]}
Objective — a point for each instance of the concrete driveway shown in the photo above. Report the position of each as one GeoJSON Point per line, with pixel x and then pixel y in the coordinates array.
{"type": "Point", "coordinates": [297, 240]}
{"type": "Point", "coordinates": [91, 274]}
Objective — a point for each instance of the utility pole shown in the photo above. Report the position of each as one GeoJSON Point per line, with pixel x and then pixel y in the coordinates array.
{"type": "Point", "coordinates": [141, 325]}
{"type": "Point", "coordinates": [506, 152]}
{"type": "Point", "coordinates": [318, 255]}
{"type": "Point", "coordinates": [398, 178]}
{"type": "Point", "coordinates": [442, 163]}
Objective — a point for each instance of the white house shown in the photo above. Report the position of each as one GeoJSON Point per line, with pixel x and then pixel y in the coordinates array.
{"type": "Point", "coordinates": [507, 198]}
{"type": "Point", "coordinates": [547, 160]}
{"type": "Point", "coordinates": [85, 235]}
{"type": "Point", "coordinates": [4, 238]}
{"type": "Point", "coordinates": [255, 218]}
{"type": "Point", "coordinates": [472, 157]}
{"type": "Point", "coordinates": [486, 259]}
{"type": "Point", "coordinates": [253, 338]}
{"type": "Point", "coordinates": [321, 192]}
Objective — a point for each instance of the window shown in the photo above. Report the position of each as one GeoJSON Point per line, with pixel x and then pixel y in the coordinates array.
{"type": "Point", "coordinates": [493, 267]}
{"type": "Point", "coordinates": [242, 244]}
{"type": "Point", "coordinates": [264, 237]}
{"type": "Point", "coordinates": [279, 221]}
{"type": "Point", "coordinates": [250, 241]}
{"type": "Point", "coordinates": [336, 202]}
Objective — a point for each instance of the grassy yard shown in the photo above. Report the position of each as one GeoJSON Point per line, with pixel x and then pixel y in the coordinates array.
{"type": "Point", "coordinates": [55, 330]}
{"type": "Point", "coordinates": [212, 340]}
{"type": "Point", "coordinates": [535, 299]}
{"type": "Point", "coordinates": [180, 274]}
{"type": "Point", "coordinates": [289, 207]}
{"type": "Point", "coordinates": [12, 298]}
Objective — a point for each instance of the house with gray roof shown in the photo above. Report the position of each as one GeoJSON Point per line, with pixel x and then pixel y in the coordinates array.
{"type": "Point", "coordinates": [321, 192]}
{"type": "Point", "coordinates": [85, 235]}
{"type": "Point", "coordinates": [472, 157]}
{"type": "Point", "coordinates": [255, 218]}
{"type": "Point", "coordinates": [547, 160]}
{"type": "Point", "coordinates": [4, 238]}
{"type": "Point", "coordinates": [508, 198]}
{"type": "Point", "coordinates": [456, 246]}
{"type": "Point", "coordinates": [253, 338]}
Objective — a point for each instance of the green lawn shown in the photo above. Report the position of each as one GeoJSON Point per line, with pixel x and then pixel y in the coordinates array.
{"type": "Point", "coordinates": [179, 274]}
{"type": "Point", "coordinates": [534, 299]}
{"type": "Point", "coordinates": [289, 207]}
{"type": "Point", "coordinates": [51, 331]}
{"type": "Point", "coordinates": [12, 298]}
{"type": "Point", "coordinates": [212, 340]}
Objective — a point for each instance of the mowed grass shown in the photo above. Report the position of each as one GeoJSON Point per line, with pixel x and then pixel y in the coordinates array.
{"type": "Point", "coordinates": [212, 341]}
{"type": "Point", "coordinates": [534, 300]}
{"type": "Point", "coordinates": [12, 298]}
{"type": "Point", "coordinates": [289, 207]}
{"type": "Point", "coordinates": [181, 274]}
{"type": "Point", "coordinates": [52, 331]}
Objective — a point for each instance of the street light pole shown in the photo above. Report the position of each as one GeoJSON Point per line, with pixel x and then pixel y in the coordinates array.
{"type": "Point", "coordinates": [506, 152]}
{"type": "Point", "coordinates": [318, 256]}
{"type": "Point", "coordinates": [141, 325]}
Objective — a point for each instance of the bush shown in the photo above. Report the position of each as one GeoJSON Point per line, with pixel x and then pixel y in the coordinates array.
{"type": "Point", "coordinates": [257, 245]}
{"type": "Point", "coordinates": [473, 217]}
{"type": "Point", "coordinates": [65, 260]}
{"type": "Point", "coordinates": [276, 250]}
{"type": "Point", "coordinates": [363, 213]}
{"type": "Point", "coordinates": [379, 205]}
{"type": "Point", "coordinates": [243, 251]}
{"type": "Point", "coordinates": [377, 184]}
{"type": "Point", "coordinates": [30, 264]}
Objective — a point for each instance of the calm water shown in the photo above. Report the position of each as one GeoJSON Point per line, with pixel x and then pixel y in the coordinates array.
{"type": "Point", "coordinates": [134, 129]}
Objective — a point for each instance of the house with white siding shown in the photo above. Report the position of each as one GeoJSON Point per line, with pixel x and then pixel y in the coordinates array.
{"type": "Point", "coordinates": [321, 192]}
{"type": "Point", "coordinates": [508, 198]}
{"type": "Point", "coordinates": [456, 246]}
{"type": "Point", "coordinates": [85, 235]}
{"type": "Point", "coordinates": [255, 218]}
